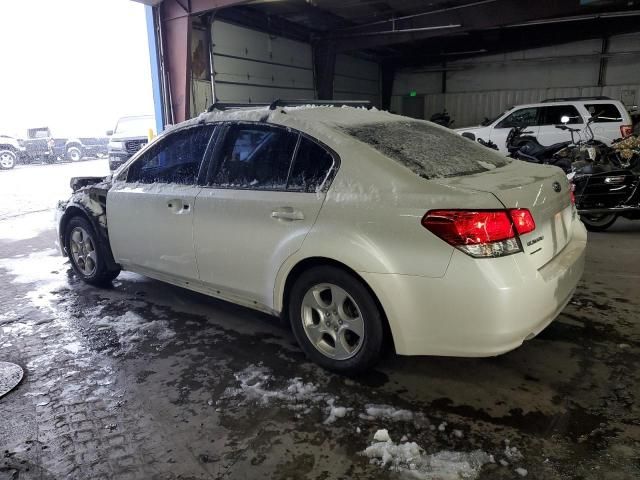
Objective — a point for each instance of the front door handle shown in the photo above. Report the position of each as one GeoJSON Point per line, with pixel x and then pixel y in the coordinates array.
{"type": "Point", "coordinates": [287, 213]}
{"type": "Point", "coordinates": [178, 206]}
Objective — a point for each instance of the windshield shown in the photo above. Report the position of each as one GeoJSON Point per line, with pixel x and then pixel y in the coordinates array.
{"type": "Point", "coordinates": [135, 126]}
{"type": "Point", "coordinates": [427, 150]}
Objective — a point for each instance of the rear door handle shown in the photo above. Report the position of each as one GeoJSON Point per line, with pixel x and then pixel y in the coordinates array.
{"type": "Point", "coordinates": [287, 213]}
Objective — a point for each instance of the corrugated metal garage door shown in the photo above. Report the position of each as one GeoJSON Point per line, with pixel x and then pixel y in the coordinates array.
{"type": "Point", "coordinates": [356, 79]}
{"type": "Point", "coordinates": [253, 66]}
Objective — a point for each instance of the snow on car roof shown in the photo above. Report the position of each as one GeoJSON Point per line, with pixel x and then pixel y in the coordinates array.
{"type": "Point", "coordinates": [339, 116]}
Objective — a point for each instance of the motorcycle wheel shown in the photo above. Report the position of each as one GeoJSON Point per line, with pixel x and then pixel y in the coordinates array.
{"type": "Point", "coordinates": [598, 222]}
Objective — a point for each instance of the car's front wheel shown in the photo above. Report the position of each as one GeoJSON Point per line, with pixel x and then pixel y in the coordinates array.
{"type": "Point", "coordinates": [336, 320]}
{"type": "Point", "coordinates": [7, 159]}
{"type": "Point", "coordinates": [86, 254]}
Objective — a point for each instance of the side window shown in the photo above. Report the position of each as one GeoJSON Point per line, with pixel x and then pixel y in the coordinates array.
{"type": "Point", "coordinates": [525, 117]}
{"type": "Point", "coordinates": [552, 115]}
{"type": "Point", "coordinates": [311, 166]}
{"type": "Point", "coordinates": [176, 159]}
{"type": "Point", "coordinates": [256, 157]}
{"type": "Point", "coordinates": [607, 112]}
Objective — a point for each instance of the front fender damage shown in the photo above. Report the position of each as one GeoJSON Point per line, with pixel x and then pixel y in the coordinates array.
{"type": "Point", "coordinates": [89, 200]}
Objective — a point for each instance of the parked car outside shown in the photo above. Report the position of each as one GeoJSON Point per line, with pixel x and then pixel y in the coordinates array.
{"type": "Point", "coordinates": [541, 119]}
{"type": "Point", "coordinates": [11, 150]}
{"type": "Point", "coordinates": [41, 146]}
{"type": "Point", "coordinates": [358, 227]}
{"type": "Point", "coordinates": [129, 136]}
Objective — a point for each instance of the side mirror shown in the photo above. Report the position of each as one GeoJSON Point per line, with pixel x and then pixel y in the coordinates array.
{"type": "Point", "coordinates": [109, 133]}
{"type": "Point", "coordinates": [564, 119]}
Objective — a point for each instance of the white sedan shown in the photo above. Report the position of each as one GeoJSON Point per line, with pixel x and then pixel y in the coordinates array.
{"type": "Point", "coordinates": [357, 226]}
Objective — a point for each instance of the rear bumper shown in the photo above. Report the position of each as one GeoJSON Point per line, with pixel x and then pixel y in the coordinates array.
{"type": "Point", "coordinates": [480, 307]}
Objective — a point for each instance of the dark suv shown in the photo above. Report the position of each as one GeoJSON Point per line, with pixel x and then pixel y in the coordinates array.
{"type": "Point", "coordinates": [129, 136]}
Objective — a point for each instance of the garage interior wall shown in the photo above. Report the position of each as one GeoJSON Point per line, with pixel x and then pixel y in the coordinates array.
{"type": "Point", "coordinates": [486, 86]}
{"type": "Point", "coordinates": [252, 66]}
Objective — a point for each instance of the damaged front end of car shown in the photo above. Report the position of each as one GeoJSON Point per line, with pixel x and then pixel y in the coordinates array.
{"type": "Point", "coordinates": [88, 200]}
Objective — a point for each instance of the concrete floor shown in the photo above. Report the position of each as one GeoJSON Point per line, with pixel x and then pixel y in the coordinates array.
{"type": "Point", "coordinates": [145, 380]}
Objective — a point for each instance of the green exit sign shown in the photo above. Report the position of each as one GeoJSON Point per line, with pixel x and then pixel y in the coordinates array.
{"type": "Point", "coordinates": [413, 93]}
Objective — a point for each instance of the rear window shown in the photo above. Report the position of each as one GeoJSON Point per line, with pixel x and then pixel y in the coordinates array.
{"type": "Point", "coordinates": [428, 151]}
{"type": "Point", "coordinates": [607, 112]}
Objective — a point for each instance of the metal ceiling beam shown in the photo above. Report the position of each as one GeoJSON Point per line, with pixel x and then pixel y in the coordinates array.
{"type": "Point", "coordinates": [479, 15]}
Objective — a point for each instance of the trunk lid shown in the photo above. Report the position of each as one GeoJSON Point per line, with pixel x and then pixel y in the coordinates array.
{"type": "Point", "coordinates": [544, 190]}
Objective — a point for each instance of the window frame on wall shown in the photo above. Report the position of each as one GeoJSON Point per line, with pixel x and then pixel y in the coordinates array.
{"type": "Point", "coordinates": [216, 159]}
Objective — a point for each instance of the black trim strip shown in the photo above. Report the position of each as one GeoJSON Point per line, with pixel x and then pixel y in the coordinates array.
{"type": "Point", "coordinates": [223, 82]}
{"type": "Point", "coordinates": [236, 57]}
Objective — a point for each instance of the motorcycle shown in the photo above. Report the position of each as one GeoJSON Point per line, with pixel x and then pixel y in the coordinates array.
{"type": "Point", "coordinates": [609, 186]}
{"type": "Point", "coordinates": [605, 179]}
{"type": "Point", "coordinates": [523, 146]}
{"type": "Point", "coordinates": [442, 118]}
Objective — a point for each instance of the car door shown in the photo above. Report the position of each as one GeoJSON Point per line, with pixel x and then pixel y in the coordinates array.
{"type": "Point", "coordinates": [266, 188]}
{"type": "Point", "coordinates": [150, 206]}
{"type": "Point", "coordinates": [526, 116]}
{"type": "Point", "coordinates": [551, 116]}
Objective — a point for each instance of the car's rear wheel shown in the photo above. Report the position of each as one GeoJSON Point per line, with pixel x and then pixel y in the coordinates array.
{"type": "Point", "coordinates": [336, 320]}
{"type": "Point", "coordinates": [598, 222]}
{"type": "Point", "coordinates": [74, 154]}
{"type": "Point", "coordinates": [7, 159]}
{"type": "Point", "coordinates": [86, 254]}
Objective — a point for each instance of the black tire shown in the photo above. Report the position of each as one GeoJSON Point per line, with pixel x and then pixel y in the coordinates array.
{"type": "Point", "coordinates": [369, 351]}
{"type": "Point", "coordinates": [100, 275]}
{"type": "Point", "coordinates": [598, 223]}
{"type": "Point", "coordinates": [74, 153]}
{"type": "Point", "coordinates": [7, 159]}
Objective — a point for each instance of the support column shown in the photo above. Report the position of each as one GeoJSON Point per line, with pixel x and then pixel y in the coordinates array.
{"type": "Point", "coordinates": [324, 66]}
{"type": "Point", "coordinates": [176, 32]}
{"type": "Point", "coordinates": [154, 59]}
{"type": "Point", "coordinates": [387, 75]}
{"type": "Point", "coordinates": [602, 72]}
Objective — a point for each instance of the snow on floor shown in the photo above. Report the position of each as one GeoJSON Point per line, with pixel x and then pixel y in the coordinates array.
{"type": "Point", "coordinates": [411, 459]}
{"type": "Point", "coordinates": [24, 227]}
{"type": "Point", "coordinates": [33, 188]}
{"type": "Point", "coordinates": [387, 412]}
{"type": "Point", "coordinates": [132, 328]}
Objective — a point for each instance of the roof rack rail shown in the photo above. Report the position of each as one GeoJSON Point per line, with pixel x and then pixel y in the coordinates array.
{"type": "Point", "coordinates": [232, 105]}
{"type": "Point", "coordinates": [572, 99]}
{"type": "Point", "coordinates": [290, 103]}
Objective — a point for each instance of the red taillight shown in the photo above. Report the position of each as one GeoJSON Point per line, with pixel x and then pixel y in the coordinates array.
{"type": "Point", "coordinates": [572, 193]}
{"type": "Point", "coordinates": [523, 220]}
{"type": "Point", "coordinates": [626, 130]}
{"type": "Point", "coordinates": [481, 233]}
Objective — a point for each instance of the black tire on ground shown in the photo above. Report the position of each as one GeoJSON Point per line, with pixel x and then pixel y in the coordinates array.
{"type": "Point", "coordinates": [598, 222]}
{"type": "Point", "coordinates": [74, 154]}
{"type": "Point", "coordinates": [372, 344]}
{"type": "Point", "coordinates": [99, 275]}
{"type": "Point", "coordinates": [7, 159]}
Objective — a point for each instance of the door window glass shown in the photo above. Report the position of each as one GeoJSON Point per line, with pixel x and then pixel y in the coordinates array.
{"type": "Point", "coordinates": [311, 166]}
{"type": "Point", "coordinates": [256, 157]}
{"type": "Point", "coordinates": [176, 159]}
{"type": "Point", "coordinates": [552, 115]}
{"type": "Point", "coordinates": [524, 117]}
{"type": "Point", "coordinates": [607, 112]}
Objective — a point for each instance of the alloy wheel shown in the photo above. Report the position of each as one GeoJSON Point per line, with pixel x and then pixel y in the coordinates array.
{"type": "Point", "coordinates": [7, 160]}
{"type": "Point", "coordinates": [83, 251]}
{"type": "Point", "coordinates": [332, 321]}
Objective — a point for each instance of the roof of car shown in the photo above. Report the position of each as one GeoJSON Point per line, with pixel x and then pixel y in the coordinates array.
{"type": "Point", "coordinates": [328, 115]}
